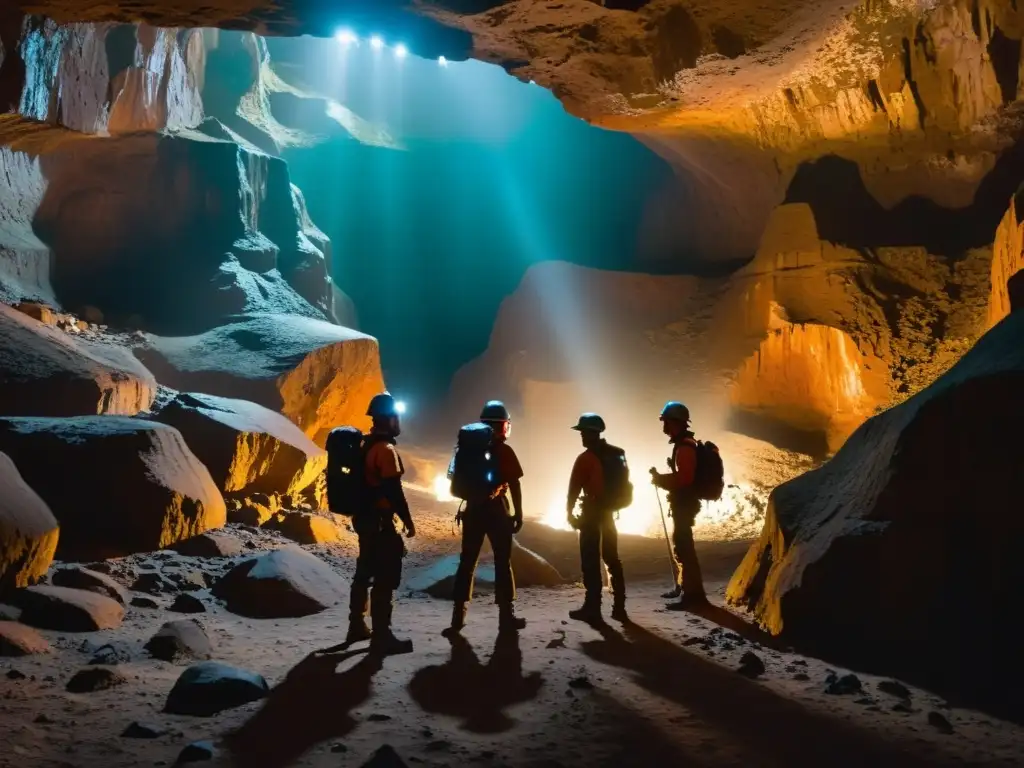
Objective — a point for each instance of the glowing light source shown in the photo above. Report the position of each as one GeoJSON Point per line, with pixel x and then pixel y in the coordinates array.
{"type": "Point", "coordinates": [376, 42]}
{"type": "Point", "coordinates": [399, 406]}
{"type": "Point", "coordinates": [346, 37]}
{"type": "Point", "coordinates": [442, 489]}
{"type": "Point", "coordinates": [442, 61]}
{"type": "Point", "coordinates": [401, 51]}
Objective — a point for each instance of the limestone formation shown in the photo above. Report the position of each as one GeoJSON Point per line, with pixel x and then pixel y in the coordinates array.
{"type": "Point", "coordinates": [46, 372]}
{"type": "Point", "coordinates": [285, 583]}
{"type": "Point", "coordinates": [899, 552]}
{"type": "Point", "coordinates": [247, 448]}
{"type": "Point", "coordinates": [317, 374]}
{"type": "Point", "coordinates": [68, 610]}
{"type": "Point", "coordinates": [28, 530]}
{"type": "Point", "coordinates": [125, 485]}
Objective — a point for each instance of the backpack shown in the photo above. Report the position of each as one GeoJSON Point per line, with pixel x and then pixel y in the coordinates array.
{"type": "Point", "coordinates": [618, 490]}
{"type": "Point", "coordinates": [347, 492]}
{"type": "Point", "coordinates": [709, 477]}
{"type": "Point", "coordinates": [473, 470]}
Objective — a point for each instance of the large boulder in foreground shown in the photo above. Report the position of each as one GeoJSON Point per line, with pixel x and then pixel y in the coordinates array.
{"type": "Point", "coordinates": [117, 485]}
{"type": "Point", "coordinates": [317, 374]}
{"type": "Point", "coordinates": [48, 372]}
{"type": "Point", "coordinates": [902, 553]}
{"type": "Point", "coordinates": [285, 583]}
{"type": "Point", "coordinates": [247, 448]}
{"type": "Point", "coordinates": [28, 530]}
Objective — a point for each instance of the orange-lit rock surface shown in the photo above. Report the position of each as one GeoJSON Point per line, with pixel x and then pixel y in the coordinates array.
{"type": "Point", "coordinates": [28, 530]}
{"type": "Point", "coordinates": [899, 553]}
{"type": "Point", "coordinates": [247, 448]}
{"type": "Point", "coordinates": [316, 373]}
{"type": "Point", "coordinates": [115, 484]}
{"type": "Point", "coordinates": [45, 371]}
{"type": "Point", "coordinates": [1007, 260]}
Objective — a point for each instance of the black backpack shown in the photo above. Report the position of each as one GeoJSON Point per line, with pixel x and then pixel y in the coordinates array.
{"type": "Point", "coordinates": [473, 470]}
{"type": "Point", "coordinates": [618, 490]}
{"type": "Point", "coordinates": [709, 477]}
{"type": "Point", "coordinates": [347, 492]}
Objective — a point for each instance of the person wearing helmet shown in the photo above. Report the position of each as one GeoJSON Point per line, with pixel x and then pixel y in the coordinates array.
{"type": "Point", "coordinates": [599, 539]}
{"type": "Point", "coordinates": [683, 504]}
{"type": "Point", "coordinates": [381, 549]}
{"type": "Point", "coordinates": [497, 518]}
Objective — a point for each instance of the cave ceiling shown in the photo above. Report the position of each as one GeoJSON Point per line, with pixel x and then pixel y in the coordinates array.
{"type": "Point", "coordinates": [920, 95]}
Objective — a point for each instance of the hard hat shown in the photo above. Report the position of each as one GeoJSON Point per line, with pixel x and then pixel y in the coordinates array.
{"type": "Point", "coordinates": [591, 422]}
{"type": "Point", "coordinates": [494, 410]}
{"type": "Point", "coordinates": [675, 411]}
{"type": "Point", "coordinates": [382, 406]}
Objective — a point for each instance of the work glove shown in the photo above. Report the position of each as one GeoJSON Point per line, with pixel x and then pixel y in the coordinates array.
{"type": "Point", "coordinates": [574, 522]}
{"type": "Point", "coordinates": [517, 524]}
{"type": "Point", "coordinates": [657, 479]}
{"type": "Point", "coordinates": [410, 529]}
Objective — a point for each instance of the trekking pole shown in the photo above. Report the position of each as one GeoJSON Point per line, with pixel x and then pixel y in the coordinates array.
{"type": "Point", "coordinates": [668, 541]}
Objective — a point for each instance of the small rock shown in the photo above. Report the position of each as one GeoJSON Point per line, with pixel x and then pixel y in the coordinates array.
{"type": "Point", "coordinates": [197, 752]}
{"type": "Point", "coordinates": [210, 687]}
{"type": "Point", "coordinates": [895, 688]}
{"type": "Point", "coordinates": [94, 679]}
{"type": "Point", "coordinates": [13, 674]}
{"type": "Point", "coordinates": [186, 603]}
{"type": "Point", "coordinates": [940, 723]}
{"type": "Point", "coordinates": [111, 653]}
{"type": "Point", "coordinates": [385, 757]}
{"type": "Point", "coordinates": [139, 730]}
{"type": "Point", "coordinates": [581, 682]}
{"type": "Point", "coordinates": [439, 746]}
{"type": "Point", "coordinates": [144, 602]}
{"type": "Point", "coordinates": [751, 665]}
{"type": "Point", "coordinates": [840, 686]}
{"type": "Point", "coordinates": [378, 718]}
{"type": "Point", "coordinates": [19, 640]}
{"type": "Point", "coordinates": [181, 639]}
{"type": "Point", "coordinates": [902, 707]}
{"type": "Point", "coordinates": [153, 583]}
{"type": "Point", "coordinates": [864, 701]}
{"type": "Point", "coordinates": [210, 544]}
{"type": "Point", "coordinates": [338, 748]}
{"type": "Point", "coordinates": [191, 580]}
{"type": "Point", "coordinates": [77, 577]}
{"type": "Point", "coordinates": [802, 677]}
{"type": "Point", "coordinates": [42, 719]}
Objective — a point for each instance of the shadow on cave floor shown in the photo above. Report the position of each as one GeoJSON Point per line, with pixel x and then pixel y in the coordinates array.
{"type": "Point", "coordinates": [780, 435]}
{"type": "Point", "coordinates": [780, 730]}
{"type": "Point", "coordinates": [476, 693]}
{"type": "Point", "coordinates": [309, 706]}
{"type": "Point", "coordinates": [846, 212]}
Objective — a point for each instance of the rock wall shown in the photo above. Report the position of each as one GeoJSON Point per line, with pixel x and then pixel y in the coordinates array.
{"type": "Point", "coordinates": [1007, 260]}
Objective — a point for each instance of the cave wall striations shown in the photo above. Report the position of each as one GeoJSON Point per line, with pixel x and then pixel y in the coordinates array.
{"type": "Point", "coordinates": [1007, 260]}
{"type": "Point", "coordinates": [152, 257]}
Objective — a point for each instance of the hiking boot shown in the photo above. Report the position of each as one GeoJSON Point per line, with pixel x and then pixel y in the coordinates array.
{"type": "Point", "coordinates": [458, 620]}
{"type": "Point", "coordinates": [507, 619]}
{"type": "Point", "coordinates": [589, 613]}
{"type": "Point", "coordinates": [673, 593]}
{"type": "Point", "coordinates": [386, 644]}
{"type": "Point", "coordinates": [688, 602]}
{"type": "Point", "coordinates": [357, 631]}
{"type": "Point", "coordinates": [619, 612]}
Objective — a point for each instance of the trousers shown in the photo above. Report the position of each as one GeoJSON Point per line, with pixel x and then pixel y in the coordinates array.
{"type": "Point", "coordinates": [599, 539]}
{"type": "Point", "coordinates": [489, 520]}
{"type": "Point", "coordinates": [378, 564]}
{"type": "Point", "coordinates": [684, 512]}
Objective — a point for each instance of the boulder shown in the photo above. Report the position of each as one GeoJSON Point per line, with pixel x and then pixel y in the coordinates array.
{"type": "Point", "coordinates": [532, 570]}
{"type": "Point", "coordinates": [28, 530]}
{"type": "Point", "coordinates": [253, 512]}
{"type": "Point", "coordinates": [902, 552]}
{"type": "Point", "coordinates": [247, 448]}
{"type": "Point", "coordinates": [285, 583]}
{"type": "Point", "coordinates": [317, 374]}
{"type": "Point", "coordinates": [187, 603]}
{"type": "Point", "coordinates": [93, 679]}
{"type": "Point", "coordinates": [19, 640]}
{"type": "Point", "coordinates": [181, 639]}
{"type": "Point", "coordinates": [209, 545]}
{"type": "Point", "coordinates": [68, 610]}
{"type": "Point", "coordinates": [46, 372]}
{"type": "Point", "coordinates": [305, 528]}
{"type": "Point", "coordinates": [210, 687]}
{"type": "Point", "coordinates": [438, 578]}
{"type": "Point", "coordinates": [124, 485]}
{"type": "Point", "coordinates": [77, 577]}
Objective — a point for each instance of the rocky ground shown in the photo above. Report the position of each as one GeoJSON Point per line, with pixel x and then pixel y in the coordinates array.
{"type": "Point", "coordinates": [670, 689]}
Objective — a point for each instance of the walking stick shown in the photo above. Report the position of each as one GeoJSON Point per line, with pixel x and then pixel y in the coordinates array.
{"type": "Point", "coordinates": [668, 541]}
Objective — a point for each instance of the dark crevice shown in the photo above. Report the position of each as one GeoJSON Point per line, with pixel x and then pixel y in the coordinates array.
{"type": "Point", "coordinates": [625, 5]}
{"type": "Point", "coordinates": [908, 76]}
{"type": "Point", "coordinates": [677, 42]}
{"type": "Point", "coordinates": [1004, 53]}
{"type": "Point", "coordinates": [12, 66]}
{"type": "Point", "coordinates": [784, 436]}
{"type": "Point", "coordinates": [876, 96]}
{"type": "Point", "coordinates": [790, 96]}
{"type": "Point", "coordinates": [976, 18]}
{"type": "Point", "coordinates": [727, 42]}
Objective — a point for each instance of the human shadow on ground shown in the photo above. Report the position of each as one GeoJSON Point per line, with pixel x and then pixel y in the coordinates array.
{"type": "Point", "coordinates": [728, 620]}
{"type": "Point", "coordinates": [477, 693]}
{"type": "Point", "coordinates": [312, 704]}
{"type": "Point", "coordinates": [780, 730]}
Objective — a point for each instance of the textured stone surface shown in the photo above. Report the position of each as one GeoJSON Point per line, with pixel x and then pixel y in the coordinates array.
{"type": "Point", "coordinates": [305, 528]}
{"type": "Point", "coordinates": [247, 448]}
{"type": "Point", "coordinates": [210, 687]}
{"type": "Point", "coordinates": [77, 577]}
{"type": "Point", "coordinates": [20, 640]}
{"type": "Point", "coordinates": [68, 610]}
{"type": "Point", "coordinates": [28, 530]}
{"type": "Point", "coordinates": [899, 553]}
{"type": "Point", "coordinates": [317, 374]}
{"type": "Point", "coordinates": [126, 485]}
